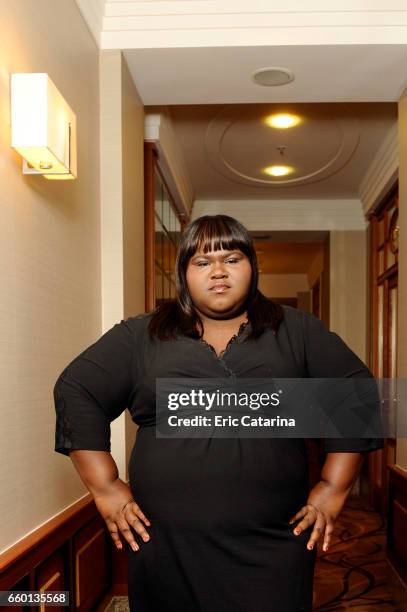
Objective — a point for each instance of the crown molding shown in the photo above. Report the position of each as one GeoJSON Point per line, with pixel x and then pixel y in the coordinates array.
{"type": "Point", "coordinates": [268, 215]}
{"type": "Point", "coordinates": [382, 173]}
{"type": "Point", "coordinates": [136, 24]}
{"type": "Point", "coordinates": [213, 23]}
{"type": "Point", "coordinates": [93, 12]}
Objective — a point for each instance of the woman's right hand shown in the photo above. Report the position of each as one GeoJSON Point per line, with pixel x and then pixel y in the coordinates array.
{"type": "Point", "coordinates": [120, 512]}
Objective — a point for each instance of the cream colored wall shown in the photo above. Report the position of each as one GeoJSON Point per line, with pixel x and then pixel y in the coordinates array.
{"type": "Point", "coordinates": [282, 285]}
{"type": "Point", "coordinates": [50, 272]}
{"type": "Point", "coordinates": [133, 213]}
{"type": "Point", "coordinates": [122, 205]}
{"type": "Point", "coordinates": [348, 288]}
{"type": "Point", "coordinates": [111, 188]}
{"type": "Point", "coordinates": [401, 457]}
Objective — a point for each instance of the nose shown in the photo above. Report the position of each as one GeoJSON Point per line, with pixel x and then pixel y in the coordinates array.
{"type": "Point", "coordinates": [218, 270]}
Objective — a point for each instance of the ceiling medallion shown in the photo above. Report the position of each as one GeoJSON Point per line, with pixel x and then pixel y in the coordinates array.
{"type": "Point", "coordinates": [241, 146]}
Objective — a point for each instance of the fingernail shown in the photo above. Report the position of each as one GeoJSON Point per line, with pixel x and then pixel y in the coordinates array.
{"type": "Point", "coordinates": [134, 546]}
{"type": "Point", "coordinates": [119, 545]}
{"type": "Point", "coordinates": [297, 531]}
{"type": "Point", "coordinates": [326, 547]}
{"type": "Point", "coordinates": [146, 537]}
{"type": "Point", "coordinates": [310, 546]}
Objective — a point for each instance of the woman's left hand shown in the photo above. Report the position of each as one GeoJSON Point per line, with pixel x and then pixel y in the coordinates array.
{"type": "Point", "coordinates": [324, 504]}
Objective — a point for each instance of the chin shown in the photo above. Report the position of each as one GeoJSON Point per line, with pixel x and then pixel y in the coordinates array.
{"type": "Point", "coordinates": [224, 309]}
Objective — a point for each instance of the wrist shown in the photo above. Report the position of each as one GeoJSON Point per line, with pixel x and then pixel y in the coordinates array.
{"type": "Point", "coordinates": [107, 488]}
{"type": "Point", "coordinates": [326, 487]}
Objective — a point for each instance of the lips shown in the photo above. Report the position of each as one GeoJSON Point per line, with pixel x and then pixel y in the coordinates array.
{"type": "Point", "coordinates": [219, 287]}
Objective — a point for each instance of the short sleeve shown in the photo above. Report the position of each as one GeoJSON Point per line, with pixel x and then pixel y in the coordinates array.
{"type": "Point", "coordinates": [327, 356]}
{"type": "Point", "coordinates": [93, 390]}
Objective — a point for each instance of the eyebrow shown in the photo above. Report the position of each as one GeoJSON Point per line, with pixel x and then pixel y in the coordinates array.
{"type": "Point", "coordinates": [227, 254]}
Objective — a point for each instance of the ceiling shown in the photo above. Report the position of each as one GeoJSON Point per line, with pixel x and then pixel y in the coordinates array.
{"type": "Point", "coordinates": [197, 58]}
{"type": "Point", "coordinates": [219, 75]}
{"type": "Point", "coordinates": [205, 51]}
{"type": "Point", "coordinates": [226, 148]}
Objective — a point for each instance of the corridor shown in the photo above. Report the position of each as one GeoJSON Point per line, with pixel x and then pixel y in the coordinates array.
{"type": "Point", "coordinates": [278, 133]}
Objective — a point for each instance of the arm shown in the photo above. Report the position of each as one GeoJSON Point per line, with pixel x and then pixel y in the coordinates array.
{"type": "Point", "coordinates": [327, 356]}
{"type": "Point", "coordinates": [112, 496]}
{"type": "Point", "coordinates": [93, 390]}
{"type": "Point", "coordinates": [328, 497]}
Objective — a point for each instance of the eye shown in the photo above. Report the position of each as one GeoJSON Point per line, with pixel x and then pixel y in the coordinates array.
{"type": "Point", "coordinates": [201, 263]}
{"type": "Point", "coordinates": [233, 260]}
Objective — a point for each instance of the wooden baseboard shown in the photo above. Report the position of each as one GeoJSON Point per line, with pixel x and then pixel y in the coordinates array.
{"type": "Point", "coordinates": [397, 520]}
{"type": "Point", "coordinates": [397, 587]}
{"type": "Point", "coordinates": [55, 531]}
{"type": "Point", "coordinates": [72, 552]}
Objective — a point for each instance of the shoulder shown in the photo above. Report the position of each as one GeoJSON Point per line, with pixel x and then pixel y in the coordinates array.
{"type": "Point", "coordinates": [296, 318]}
{"type": "Point", "coordinates": [303, 327]}
{"type": "Point", "coordinates": [141, 318]}
{"type": "Point", "coordinates": [293, 317]}
{"type": "Point", "coordinates": [139, 323]}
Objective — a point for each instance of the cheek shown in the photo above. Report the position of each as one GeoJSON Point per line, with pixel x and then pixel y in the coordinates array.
{"type": "Point", "coordinates": [246, 276]}
{"type": "Point", "coordinates": [192, 281]}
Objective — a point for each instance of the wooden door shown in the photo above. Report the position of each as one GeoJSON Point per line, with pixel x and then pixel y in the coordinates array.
{"type": "Point", "coordinates": [383, 341]}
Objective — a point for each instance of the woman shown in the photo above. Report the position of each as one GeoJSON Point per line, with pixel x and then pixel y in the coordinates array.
{"type": "Point", "coordinates": [211, 525]}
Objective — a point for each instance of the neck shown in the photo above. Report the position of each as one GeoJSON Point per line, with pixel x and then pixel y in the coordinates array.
{"type": "Point", "coordinates": [208, 321]}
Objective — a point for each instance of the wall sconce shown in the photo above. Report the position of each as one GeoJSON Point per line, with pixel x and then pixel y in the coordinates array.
{"type": "Point", "coordinates": [43, 127]}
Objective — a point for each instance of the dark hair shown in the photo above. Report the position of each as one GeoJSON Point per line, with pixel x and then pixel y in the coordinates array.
{"type": "Point", "coordinates": [212, 232]}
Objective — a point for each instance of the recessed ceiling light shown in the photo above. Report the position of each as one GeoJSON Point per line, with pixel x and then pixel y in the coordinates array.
{"type": "Point", "coordinates": [272, 77]}
{"type": "Point", "coordinates": [278, 170]}
{"type": "Point", "coordinates": [283, 121]}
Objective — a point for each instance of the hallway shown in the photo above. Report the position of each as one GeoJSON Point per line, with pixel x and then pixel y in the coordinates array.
{"type": "Point", "coordinates": [121, 123]}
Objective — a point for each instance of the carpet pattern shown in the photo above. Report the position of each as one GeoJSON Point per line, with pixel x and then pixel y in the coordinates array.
{"type": "Point", "coordinates": [353, 574]}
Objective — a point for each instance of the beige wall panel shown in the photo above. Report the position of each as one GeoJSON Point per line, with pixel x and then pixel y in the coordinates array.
{"type": "Point", "coordinates": [282, 285]}
{"type": "Point", "coordinates": [50, 272]}
{"type": "Point", "coordinates": [133, 213]}
{"type": "Point", "coordinates": [348, 288]}
{"type": "Point", "coordinates": [122, 202]}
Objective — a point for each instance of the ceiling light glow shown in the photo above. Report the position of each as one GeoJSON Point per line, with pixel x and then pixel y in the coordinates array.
{"type": "Point", "coordinates": [283, 121]}
{"type": "Point", "coordinates": [278, 170]}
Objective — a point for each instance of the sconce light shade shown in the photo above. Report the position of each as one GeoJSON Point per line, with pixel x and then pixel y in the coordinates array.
{"type": "Point", "coordinates": [43, 126]}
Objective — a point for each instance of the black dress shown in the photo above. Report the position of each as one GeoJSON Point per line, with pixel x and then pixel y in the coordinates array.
{"type": "Point", "coordinates": [219, 508]}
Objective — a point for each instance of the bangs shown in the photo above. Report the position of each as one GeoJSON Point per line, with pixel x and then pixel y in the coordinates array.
{"type": "Point", "coordinates": [215, 233]}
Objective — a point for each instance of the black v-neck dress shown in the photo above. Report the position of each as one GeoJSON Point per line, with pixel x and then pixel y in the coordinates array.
{"type": "Point", "coordinates": [219, 508]}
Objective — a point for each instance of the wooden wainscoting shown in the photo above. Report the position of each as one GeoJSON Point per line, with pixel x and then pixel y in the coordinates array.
{"type": "Point", "coordinates": [72, 552]}
{"type": "Point", "coordinates": [397, 520]}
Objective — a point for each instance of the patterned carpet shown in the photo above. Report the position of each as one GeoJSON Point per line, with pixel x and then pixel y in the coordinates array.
{"type": "Point", "coordinates": [354, 575]}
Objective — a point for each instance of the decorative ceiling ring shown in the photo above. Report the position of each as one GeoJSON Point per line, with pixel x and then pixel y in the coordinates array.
{"type": "Point", "coordinates": [347, 135]}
